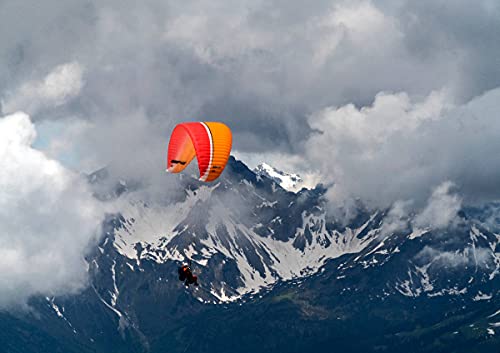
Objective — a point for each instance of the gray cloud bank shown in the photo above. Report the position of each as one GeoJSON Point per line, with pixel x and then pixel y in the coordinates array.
{"type": "Point", "coordinates": [399, 150]}
{"type": "Point", "coordinates": [261, 66]}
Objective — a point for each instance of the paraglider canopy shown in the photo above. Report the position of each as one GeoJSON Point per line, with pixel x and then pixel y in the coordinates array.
{"type": "Point", "coordinates": [210, 142]}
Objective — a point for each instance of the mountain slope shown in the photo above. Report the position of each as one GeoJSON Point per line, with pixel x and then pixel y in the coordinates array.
{"type": "Point", "coordinates": [276, 273]}
{"type": "Point", "coordinates": [246, 226]}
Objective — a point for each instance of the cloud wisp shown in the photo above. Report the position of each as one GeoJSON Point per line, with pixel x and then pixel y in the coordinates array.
{"type": "Point", "coordinates": [59, 86]}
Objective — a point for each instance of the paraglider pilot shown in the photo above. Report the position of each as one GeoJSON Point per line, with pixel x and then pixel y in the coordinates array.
{"type": "Point", "coordinates": [186, 275]}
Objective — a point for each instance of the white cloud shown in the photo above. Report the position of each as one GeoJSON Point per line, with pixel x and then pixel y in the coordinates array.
{"type": "Point", "coordinates": [365, 151]}
{"type": "Point", "coordinates": [48, 218]}
{"type": "Point", "coordinates": [479, 256]}
{"type": "Point", "coordinates": [398, 149]}
{"type": "Point", "coordinates": [61, 84]}
{"type": "Point", "coordinates": [441, 209]}
{"type": "Point", "coordinates": [397, 218]}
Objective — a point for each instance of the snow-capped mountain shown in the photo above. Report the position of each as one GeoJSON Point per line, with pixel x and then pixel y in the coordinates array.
{"type": "Point", "coordinates": [246, 225]}
{"type": "Point", "coordinates": [265, 235]}
{"type": "Point", "coordinates": [290, 182]}
{"type": "Point", "coordinates": [273, 260]}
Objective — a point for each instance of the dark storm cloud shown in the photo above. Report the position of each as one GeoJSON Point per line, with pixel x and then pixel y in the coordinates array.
{"type": "Point", "coordinates": [36, 37]}
{"type": "Point", "coordinates": [467, 31]}
{"type": "Point", "coordinates": [265, 68]}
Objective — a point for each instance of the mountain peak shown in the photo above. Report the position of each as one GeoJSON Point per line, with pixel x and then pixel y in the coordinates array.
{"type": "Point", "coordinates": [288, 181]}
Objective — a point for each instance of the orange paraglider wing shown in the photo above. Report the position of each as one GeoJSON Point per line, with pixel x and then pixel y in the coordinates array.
{"type": "Point", "coordinates": [210, 142]}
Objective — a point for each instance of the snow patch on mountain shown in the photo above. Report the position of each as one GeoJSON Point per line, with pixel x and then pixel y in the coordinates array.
{"type": "Point", "coordinates": [482, 296]}
{"type": "Point", "coordinates": [150, 224]}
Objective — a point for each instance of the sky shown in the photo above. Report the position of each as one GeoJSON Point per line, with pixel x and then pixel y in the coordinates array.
{"type": "Point", "coordinates": [392, 102]}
